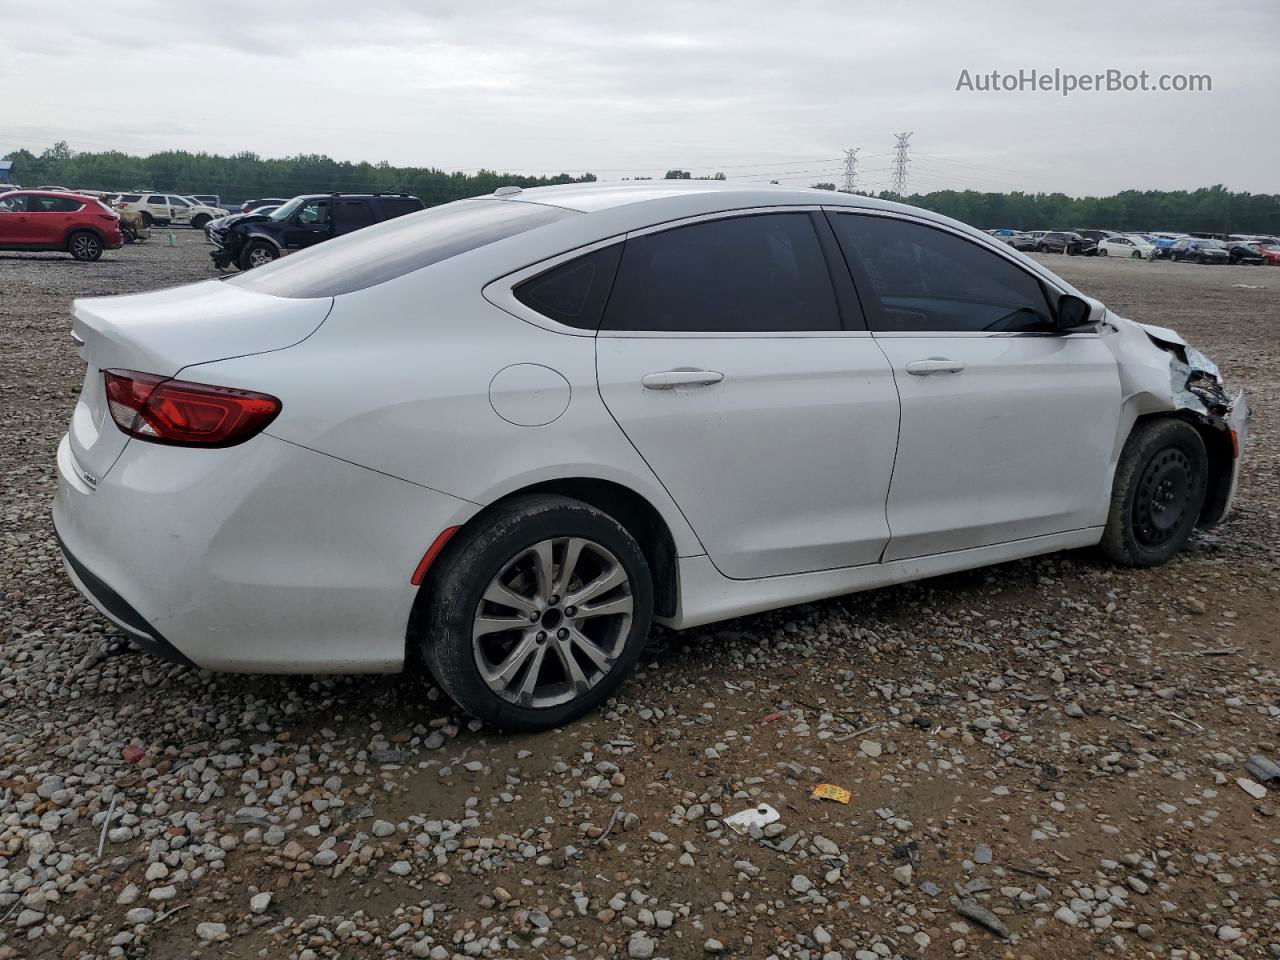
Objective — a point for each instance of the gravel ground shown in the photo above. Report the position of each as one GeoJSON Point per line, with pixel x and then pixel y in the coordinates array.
{"type": "Point", "coordinates": [1043, 757]}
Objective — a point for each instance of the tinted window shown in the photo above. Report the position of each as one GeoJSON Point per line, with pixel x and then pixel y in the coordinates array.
{"type": "Point", "coordinates": [749, 274]}
{"type": "Point", "coordinates": [931, 280]}
{"type": "Point", "coordinates": [130, 197]}
{"type": "Point", "coordinates": [574, 293]}
{"type": "Point", "coordinates": [391, 249]}
{"type": "Point", "coordinates": [14, 204]}
{"type": "Point", "coordinates": [352, 214]}
{"type": "Point", "coordinates": [157, 199]}
{"type": "Point", "coordinates": [399, 206]}
{"type": "Point", "coordinates": [39, 204]}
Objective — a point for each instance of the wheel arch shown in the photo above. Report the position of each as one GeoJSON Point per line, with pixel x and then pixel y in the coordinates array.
{"type": "Point", "coordinates": [82, 228]}
{"type": "Point", "coordinates": [634, 511]}
{"type": "Point", "coordinates": [1220, 450]}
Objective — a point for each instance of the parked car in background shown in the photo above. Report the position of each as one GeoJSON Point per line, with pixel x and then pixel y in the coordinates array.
{"type": "Point", "coordinates": [1021, 241]}
{"type": "Point", "coordinates": [53, 220]}
{"type": "Point", "coordinates": [1134, 246]}
{"type": "Point", "coordinates": [1270, 253]}
{"type": "Point", "coordinates": [1036, 234]}
{"type": "Point", "coordinates": [1244, 251]}
{"type": "Point", "coordinates": [253, 240]}
{"type": "Point", "coordinates": [207, 199]}
{"type": "Point", "coordinates": [502, 436]}
{"type": "Point", "coordinates": [198, 214]}
{"type": "Point", "coordinates": [1164, 243]}
{"type": "Point", "coordinates": [1097, 236]}
{"type": "Point", "coordinates": [264, 201]}
{"type": "Point", "coordinates": [1068, 242]}
{"type": "Point", "coordinates": [1199, 250]}
{"type": "Point", "coordinates": [155, 209]}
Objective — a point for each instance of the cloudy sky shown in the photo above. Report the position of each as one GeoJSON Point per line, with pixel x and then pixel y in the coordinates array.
{"type": "Point", "coordinates": [755, 89]}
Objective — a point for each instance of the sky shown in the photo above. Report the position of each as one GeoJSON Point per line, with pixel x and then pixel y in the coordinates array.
{"type": "Point", "coordinates": [758, 90]}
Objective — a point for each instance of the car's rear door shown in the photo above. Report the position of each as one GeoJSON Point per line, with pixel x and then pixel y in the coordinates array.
{"type": "Point", "coordinates": [1008, 425]}
{"type": "Point", "coordinates": [50, 219]}
{"type": "Point", "coordinates": [753, 390]}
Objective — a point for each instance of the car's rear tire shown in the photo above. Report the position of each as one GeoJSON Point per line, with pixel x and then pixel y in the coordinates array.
{"type": "Point", "coordinates": [1158, 492]}
{"type": "Point", "coordinates": [147, 219]}
{"type": "Point", "coordinates": [84, 245]}
{"type": "Point", "coordinates": [199, 220]}
{"type": "Point", "coordinates": [1102, 253]}
{"type": "Point", "coordinates": [529, 650]}
{"type": "Point", "coordinates": [258, 253]}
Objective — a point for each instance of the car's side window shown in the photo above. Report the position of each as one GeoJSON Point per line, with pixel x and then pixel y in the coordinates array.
{"type": "Point", "coordinates": [575, 292]}
{"type": "Point", "coordinates": [16, 204]}
{"type": "Point", "coordinates": [927, 279]}
{"type": "Point", "coordinates": [38, 204]}
{"type": "Point", "coordinates": [760, 273]}
{"type": "Point", "coordinates": [314, 213]}
{"type": "Point", "coordinates": [157, 199]}
{"type": "Point", "coordinates": [178, 202]}
{"type": "Point", "coordinates": [352, 214]}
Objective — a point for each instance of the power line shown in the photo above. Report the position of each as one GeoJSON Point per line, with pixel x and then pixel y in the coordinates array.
{"type": "Point", "coordinates": [900, 161]}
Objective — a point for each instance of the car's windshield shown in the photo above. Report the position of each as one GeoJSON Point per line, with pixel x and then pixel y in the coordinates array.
{"type": "Point", "coordinates": [287, 210]}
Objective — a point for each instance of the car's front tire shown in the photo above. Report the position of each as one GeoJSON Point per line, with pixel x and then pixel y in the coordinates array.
{"type": "Point", "coordinates": [1158, 492]}
{"type": "Point", "coordinates": [1102, 253]}
{"type": "Point", "coordinates": [84, 246]}
{"type": "Point", "coordinates": [537, 612]}
{"type": "Point", "coordinates": [199, 220]}
{"type": "Point", "coordinates": [257, 254]}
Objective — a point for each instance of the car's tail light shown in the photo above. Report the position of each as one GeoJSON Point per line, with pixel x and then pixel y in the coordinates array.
{"type": "Point", "coordinates": [162, 410]}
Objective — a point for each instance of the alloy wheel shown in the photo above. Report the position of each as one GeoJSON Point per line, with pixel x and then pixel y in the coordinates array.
{"type": "Point", "coordinates": [260, 256]}
{"type": "Point", "coordinates": [84, 248]}
{"type": "Point", "coordinates": [552, 622]}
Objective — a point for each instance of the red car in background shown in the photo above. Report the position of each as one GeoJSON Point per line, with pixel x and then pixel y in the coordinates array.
{"type": "Point", "coordinates": [49, 220]}
{"type": "Point", "coordinates": [1271, 252]}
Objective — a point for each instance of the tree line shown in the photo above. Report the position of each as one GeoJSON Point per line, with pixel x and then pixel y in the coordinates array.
{"type": "Point", "coordinates": [245, 176]}
{"type": "Point", "coordinates": [1209, 209]}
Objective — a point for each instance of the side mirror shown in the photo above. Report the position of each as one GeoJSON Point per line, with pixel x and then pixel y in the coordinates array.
{"type": "Point", "coordinates": [1073, 312]}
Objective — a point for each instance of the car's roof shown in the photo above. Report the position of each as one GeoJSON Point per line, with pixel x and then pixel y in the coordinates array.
{"type": "Point", "coordinates": [594, 197]}
{"type": "Point", "coordinates": [71, 194]}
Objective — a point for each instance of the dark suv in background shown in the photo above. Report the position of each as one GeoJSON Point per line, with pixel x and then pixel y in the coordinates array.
{"type": "Point", "coordinates": [250, 240]}
{"type": "Point", "coordinates": [1068, 242]}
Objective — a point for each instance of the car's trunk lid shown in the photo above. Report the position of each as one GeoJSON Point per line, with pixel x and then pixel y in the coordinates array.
{"type": "Point", "coordinates": [163, 332]}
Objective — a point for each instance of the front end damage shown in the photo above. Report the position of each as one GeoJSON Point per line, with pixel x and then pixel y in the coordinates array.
{"type": "Point", "coordinates": [1161, 374]}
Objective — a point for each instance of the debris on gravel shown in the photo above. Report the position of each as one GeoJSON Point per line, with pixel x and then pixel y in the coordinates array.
{"type": "Point", "coordinates": [1052, 753]}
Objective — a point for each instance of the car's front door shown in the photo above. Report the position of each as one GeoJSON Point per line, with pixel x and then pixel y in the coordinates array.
{"type": "Point", "coordinates": [15, 223]}
{"type": "Point", "coordinates": [1008, 426]}
{"type": "Point", "coordinates": [309, 224]}
{"type": "Point", "coordinates": [753, 390]}
{"type": "Point", "coordinates": [181, 209]}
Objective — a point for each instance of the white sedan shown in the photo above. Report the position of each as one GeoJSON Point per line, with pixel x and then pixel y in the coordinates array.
{"type": "Point", "coordinates": [503, 436]}
{"type": "Point", "coordinates": [1130, 245]}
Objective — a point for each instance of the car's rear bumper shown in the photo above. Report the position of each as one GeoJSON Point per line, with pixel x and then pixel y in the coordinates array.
{"type": "Point", "coordinates": [266, 557]}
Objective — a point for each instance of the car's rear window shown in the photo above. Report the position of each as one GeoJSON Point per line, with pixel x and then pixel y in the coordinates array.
{"type": "Point", "coordinates": [388, 250]}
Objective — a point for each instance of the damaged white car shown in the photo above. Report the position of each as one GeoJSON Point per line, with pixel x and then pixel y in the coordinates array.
{"type": "Point", "coordinates": [503, 436]}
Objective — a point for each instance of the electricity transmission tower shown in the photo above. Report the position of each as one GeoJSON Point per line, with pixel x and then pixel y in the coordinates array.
{"type": "Point", "coordinates": [900, 161]}
{"type": "Point", "coordinates": [851, 169]}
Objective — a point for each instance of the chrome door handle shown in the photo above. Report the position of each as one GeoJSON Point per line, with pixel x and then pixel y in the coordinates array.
{"type": "Point", "coordinates": [669, 379]}
{"type": "Point", "coordinates": [926, 368]}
